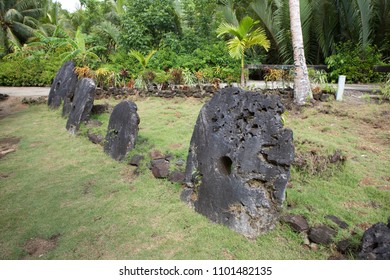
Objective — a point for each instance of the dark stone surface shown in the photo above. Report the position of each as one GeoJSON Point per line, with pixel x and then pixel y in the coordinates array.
{"type": "Point", "coordinates": [95, 138]}
{"type": "Point", "coordinates": [337, 221]}
{"type": "Point", "coordinates": [343, 246]}
{"type": "Point", "coordinates": [376, 243]}
{"type": "Point", "coordinates": [3, 96]}
{"type": "Point", "coordinates": [296, 222]}
{"type": "Point", "coordinates": [100, 109]}
{"type": "Point", "coordinates": [177, 177]}
{"type": "Point", "coordinates": [239, 161]}
{"type": "Point", "coordinates": [160, 168]}
{"type": "Point", "coordinates": [82, 104]}
{"type": "Point", "coordinates": [122, 130]}
{"type": "Point", "coordinates": [322, 234]}
{"type": "Point", "coordinates": [136, 160]}
{"type": "Point", "coordinates": [63, 86]}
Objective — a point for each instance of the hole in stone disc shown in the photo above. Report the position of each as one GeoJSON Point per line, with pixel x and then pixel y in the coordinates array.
{"type": "Point", "coordinates": [225, 165]}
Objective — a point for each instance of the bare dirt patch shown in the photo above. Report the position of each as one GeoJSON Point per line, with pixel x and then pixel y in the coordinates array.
{"type": "Point", "coordinates": [37, 247]}
{"type": "Point", "coordinates": [8, 145]}
{"type": "Point", "coordinates": [10, 106]}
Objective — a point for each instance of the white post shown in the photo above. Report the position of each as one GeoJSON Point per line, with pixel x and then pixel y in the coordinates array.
{"type": "Point", "coordinates": [340, 89]}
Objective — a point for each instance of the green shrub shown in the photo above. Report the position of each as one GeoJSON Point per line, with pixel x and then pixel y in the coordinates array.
{"type": "Point", "coordinates": [354, 62]}
{"type": "Point", "coordinates": [28, 71]}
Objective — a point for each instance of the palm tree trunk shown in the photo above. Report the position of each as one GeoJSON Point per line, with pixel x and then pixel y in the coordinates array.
{"type": "Point", "coordinates": [302, 90]}
{"type": "Point", "coordinates": [242, 71]}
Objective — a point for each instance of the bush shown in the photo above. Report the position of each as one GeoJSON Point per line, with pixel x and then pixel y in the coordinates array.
{"type": "Point", "coordinates": [30, 71]}
{"type": "Point", "coordinates": [354, 62]}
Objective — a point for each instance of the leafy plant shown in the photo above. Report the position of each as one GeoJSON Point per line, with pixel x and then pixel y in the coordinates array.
{"type": "Point", "coordinates": [142, 59]}
{"type": "Point", "coordinates": [84, 72]}
{"type": "Point", "coordinates": [176, 76]}
{"type": "Point", "coordinates": [188, 77]}
{"type": "Point", "coordinates": [79, 50]}
{"type": "Point", "coordinates": [354, 62]}
{"type": "Point", "coordinates": [385, 89]}
{"type": "Point", "coordinates": [243, 38]}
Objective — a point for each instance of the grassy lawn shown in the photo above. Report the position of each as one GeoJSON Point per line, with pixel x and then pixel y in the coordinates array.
{"type": "Point", "coordinates": [58, 184]}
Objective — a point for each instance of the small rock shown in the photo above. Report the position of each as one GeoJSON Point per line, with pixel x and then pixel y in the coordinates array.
{"type": "Point", "coordinates": [95, 138]}
{"type": "Point", "coordinates": [337, 258]}
{"type": "Point", "coordinates": [325, 97]}
{"type": "Point", "coordinates": [306, 240]}
{"type": "Point", "coordinates": [343, 246]}
{"type": "Point", "coordinates": [337, 221]}
{"type": "Point", "coordinates": [155, 154]}
{"type": "Point", "coordinates": [136, 159]}
{"type": "Point", "coordinates": [297, 222]}
{"type": "Point", "coordinates": [160, 168]}
{"type": "Point", "coordinates": [100, 109]}
{"type": "Point", "coordinates": [3, 96]}
{"type": "Point", "coordinates": [180, 162]}
{"type": "Point", "coordinates": [177, 177]}
{"type": "Point", "coordinates": [313, 246]}
{"type": "Point", "coordinates": [94, 123]}
{"type": "Point", "coordinates": [322, 234]}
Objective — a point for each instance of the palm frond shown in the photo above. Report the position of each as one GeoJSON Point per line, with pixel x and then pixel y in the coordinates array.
{"type": "Point", "coordinates": [365, 11]}
{"type": "Point", "coordinates": [139, 56]}
{"type": "Point", "coordinates": [227, 28]}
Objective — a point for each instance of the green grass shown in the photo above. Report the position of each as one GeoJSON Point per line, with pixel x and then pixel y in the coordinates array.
{"type": "Point", "coordinates": [56, 183]}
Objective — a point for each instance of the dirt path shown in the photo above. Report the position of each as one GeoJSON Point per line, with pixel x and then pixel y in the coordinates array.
{"type": "Point", "coordinates": [25, 91]}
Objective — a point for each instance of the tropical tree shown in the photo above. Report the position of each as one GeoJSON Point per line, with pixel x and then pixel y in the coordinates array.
{"type": "Point", "coordinates": [244, 37]}
{"type": "Point", "coordinates": [78, 49]}
{"type": "Point", "coordinates": [302, 88]}
{"type": "Point", "coordinates": [18, 19]}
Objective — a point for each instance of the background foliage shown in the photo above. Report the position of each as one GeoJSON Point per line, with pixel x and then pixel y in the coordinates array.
{"type": "Point", "coordinates": [184, 35]}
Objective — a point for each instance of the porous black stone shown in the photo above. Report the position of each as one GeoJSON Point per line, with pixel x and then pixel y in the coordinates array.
{"type": "Point", "coordinates": [63, 86]}
{"type": "Point", "coordinates": [82, 104]}
{"type": "Point", "coordinates": [122, 130]}
{"type": "Point", "coordinates": [239, 161]}
{"type": "Point", "coordinates": [376, 243]}
{"type": "Point", "coordinates": [322, 234]}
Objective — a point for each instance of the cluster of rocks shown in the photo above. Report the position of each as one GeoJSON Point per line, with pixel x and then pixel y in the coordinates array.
{"type": "Point", "coordinates": [162, 166]}
{"type": "Point", "coordinates": [77, 97]}
{"type": "Point", "coordinates": [375, 243]}
{"type": "Point", "coordinates": [120, 93]}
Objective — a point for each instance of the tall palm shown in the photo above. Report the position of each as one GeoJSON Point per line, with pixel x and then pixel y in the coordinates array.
{"type": "Point", "coordinates": [244, 37]}
{"type": "Point", "coordinates": [18, 19]}
{"type": "Point", "coordinates": [302, 88]}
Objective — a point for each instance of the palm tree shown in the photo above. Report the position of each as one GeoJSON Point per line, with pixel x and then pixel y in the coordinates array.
{"type": "Point", "coordinates": [79, 50]}
{"type": "Point", "coordinates": [18, 19]}
{"type": "Point", "coordinates": [142, 59]}
{"type": "Point", "coordinates": [302, 88]}
{"type": "Point", "coordinates": [243, 38]}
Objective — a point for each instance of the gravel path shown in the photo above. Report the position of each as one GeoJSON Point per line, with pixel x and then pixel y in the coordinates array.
{"type": "Point", "coordinates": [25, 91]}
